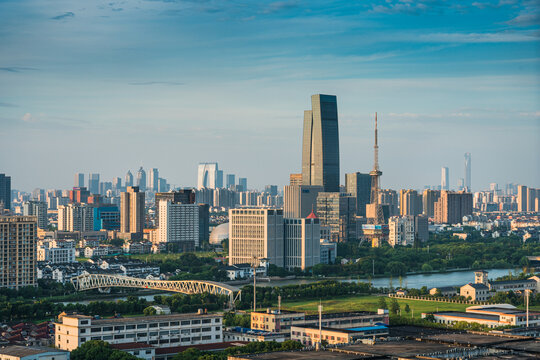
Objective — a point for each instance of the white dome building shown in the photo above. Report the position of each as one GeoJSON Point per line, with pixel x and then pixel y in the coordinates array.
{"type": "Point", "coordinates": [220, 233]}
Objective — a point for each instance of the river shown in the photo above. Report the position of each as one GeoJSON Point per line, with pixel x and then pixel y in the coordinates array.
{"type": "Point", "coordinates": [454, 278]}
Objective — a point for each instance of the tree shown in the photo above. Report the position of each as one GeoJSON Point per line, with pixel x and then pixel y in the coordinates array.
{"type": "Point", "coordinates": [394, 306]}
{"type": "Point", "coordinates": [99, 350]}
{"type": "Point", "coordinates": [382, 303]}
{"type": "Point", "coordinates": [396, 268]}
{"type": "Point", "coordinates": [407, 308]}
{"type": "Point", "coordinates": [149, 311]}
{"type": "Point", "coordinates": [426, 268]}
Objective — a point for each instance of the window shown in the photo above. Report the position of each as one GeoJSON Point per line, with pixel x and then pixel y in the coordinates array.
{"type": "Point", "coordinates": [186, 322]}
{"type": "Point", "coordinates": [141, 334]}
{"type": "Point", "coordinates": [119, 328]}
{"type": "Point", "coordinates": [95, 338]}
{"type": "Point", "coordinates": [119, 336]}
{"type": "Point", "coordinates": [207, 329]}
{"type": "Point", "coordinates": [141, 326]}
{"type": "Point", "coordinates": [108, 328]}
{"type": "Point", "coordinates": [108, 337]}
{"type": "Point", "coordinates": [206, 337]}
{"type": "Point", "coordinates": [196, 322]}
{"type": "Point", "coordinates": [148, 351]}
{"type": "Point", "coordinates": [206, 321]}
{"type": "Point", "coordinates": [84, 322]}
{"type": "Point", "coordinates": [164, 324]}
{"type": "Point", "coordinates": [175, 323]}
{"type": "Point", "coordinates": [153, 333]}
{"type": "Point", "coordinates": [195, 330]}
{"type": "Point", "coordinates": [153, 325]}
{"type": "Point", "coordinates": [82, 331]}
{"type": "Point", "coordinates": [95, 330]}
{"type": "Point", "coordinates": [130, 327]}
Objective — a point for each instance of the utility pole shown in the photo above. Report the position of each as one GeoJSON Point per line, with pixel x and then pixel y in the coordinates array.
{"type": "Point", "coordinates": [527, 292]}
{"type": "Point", "coordinates": [320, 323]}
{"type": "Point", "coordinates": [373, 264]}
{"type": "Point", "coordinates": [255, 283]}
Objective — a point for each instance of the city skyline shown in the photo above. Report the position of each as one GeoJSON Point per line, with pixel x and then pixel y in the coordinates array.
{"type": "Point", "coordinates": [466, 83]}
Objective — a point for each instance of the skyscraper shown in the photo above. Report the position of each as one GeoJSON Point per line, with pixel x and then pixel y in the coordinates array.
{"type": "Point", "coordinates": [181, 196]}
{"type": "Point", "coordinates": [429, 199]}
{"type": "Point", "coordinates": [93, 183]}
{"type": "Point", "coordinates": [359, 186]}
{"type": "Point", "coordinates": [79, 180]}
{"type": "Point", "coordinates": [242, 183]}
{"type": "Point", "coordinates": [522, 192]}
{"type": "Point", "coordinates": [154, 180]}
{"type": "Point", "coordinates": [320, 148]}
{"type": "Point", "coordinates": [300, 200]}
{"type": "Point", "coordinates": [410, 203]}
{"type": "Point", "coordinates": [231, 181]}
{"type": "Point", "coordinates": [452, 207]}
{"type": "Point", "coordinates": [207, 175]}
{"type": "Point", "coordinates": [179, 225]}
{"type": "Point", "coordinates": [132, 211]}
{"type": "Point", "coordinates": [117, 183]}
{"type": "Point", "coordinates": [37, 209]}
{"type": "Point", "coordinates": [141, 179]}
{"type": "Point", "coordinates": [445, 178]}
{"type": "Point", "coordinates": [219, 179]}
{"type": "Point", "coordinates": [468, 171]}
{"type": "Point", "coordinates": [129, 179]}
{"type": "Point", "coordinates": [5, 192]}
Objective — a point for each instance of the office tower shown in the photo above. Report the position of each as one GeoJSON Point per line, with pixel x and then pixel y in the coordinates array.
{"type": "Point", "coordinates": [207, 175]}
{"type": "Point", "coordinates": [522, 192]}
{"type": "Point", "coordinates": [104, 187]}
{"type": "Point", "coordinates": [179, 225]}
{"type": "Point", "coordinates": [445, 178]}
{"type": "Point", "coordinates": [429, 199]}
{"type": "Point", "coordinates": [300, 200]}
{"type": "Point", "coordinates": [79, 180]}
{"type": "Point", "coordinates": [93, 183]}
{"type": "Point", "coordinates": [302, 242]}
{"type": "Point", "coordinates": [204, 223]}
{"type": "Point", "coordinates": [359, 186]}
{"type": "Point", "coordinates": [154, 180]}
{"type": "Point", "coordinates": [271, 189]}
{"type": "Point", "coordinates": [132, 212]}
{"type": "Point", "coordinates": [295, 179]}
{"type": "Point", "coordinates": [181, 196]}
{"type": "Point", "coordinates": [410, 203]}
{"type": "Point", "coordinates": [79, 195]}
{"type": "Point", "coordinates": [467, 180]}
{"type": "Point", "coordinates": [242, 183]}
{"type": "Point", "coordinates": [129, 179]}
{"type": "Point", "coordinates": [256, 234]}
{"type": "Point", "coordinates": [106, 217]}
{"type": "Point", "coordinates": [75, 217]}
{"type": "Point", "coordinates": [231, 181]}
{"type": "Point", "coordinates": [117, 183]}
{"type": "Point", "coordinates": [18, 244]}
{"type": "Point", "coordinates": [336, 212]}
{"type": "Point", "coordinates": [389, 199]}
{"type": "Point", "coordinates": [452, 207]}
{"type": "Point", "coordinates": [141, 179]}
{"type": "Point", "coordinates": [219, 179]}
{"type": "Point", "coordinates": [532, 194]}
{"type": "Point", "coordinates": [5, 192]}
{"type": "Point", "coordinates": [320, 148]}
{"type": "Point", "coordinates": [37, 209]}
{"type": "Point", "coordinates": [163, 186]}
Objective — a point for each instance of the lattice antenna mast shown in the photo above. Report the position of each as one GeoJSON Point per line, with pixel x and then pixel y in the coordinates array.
{"type": "Point", "coordinates": [376, 148]}
{"type": "Point", "coordinates": [375, 176]}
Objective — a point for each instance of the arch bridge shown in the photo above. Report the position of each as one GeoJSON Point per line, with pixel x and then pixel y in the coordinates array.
{"type": "Point", "coordinates": [189, 287]}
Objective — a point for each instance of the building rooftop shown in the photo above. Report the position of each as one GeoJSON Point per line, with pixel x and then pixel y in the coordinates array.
{"type": "Point", "coordinates": [131, 346]}
{"type": "Point", "coordinates": [22, 351]}
{"type": "Point", "coordinates": [146, 319]}
{"type": "Point", "coordinates": [470, 315]}
{"type": "Point", "coordinates": [478, 286]}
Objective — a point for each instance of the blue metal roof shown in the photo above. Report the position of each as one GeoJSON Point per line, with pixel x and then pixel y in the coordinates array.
{"type": "Point", "coordinates": [365, 328]}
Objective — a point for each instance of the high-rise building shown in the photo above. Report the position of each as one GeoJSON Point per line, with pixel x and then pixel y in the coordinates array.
{"type": "Point", "coordinates": [79, 180]}
{"type": "Point", "coordinates": [336, 212]}
{"type": "Point", "coordinates": [5, 192]}
{"type": "Point", "coordinates": [180, 196]}
{"type": "Point", "coordinates": [104, 187]}
{"type": "Point", "coordinates": [410, 203]}
{"type": "Point", "coordinates": [129, 179]}
{"type": "Point", "coordinates": [467, 181]}
{"type": "Point", "coordinates": [204, 224]}
{"type": "Point", "coordinates": [132, 211]}
{"type": "Point", "coordinates": [207, 176]}
{"type": "Point", "coordinates": [219, 179]}
{"type": "Point", "coordinates": [256, 234]}
{"type": "Point", "coordinates": [141, 179]}
{"type": "Point", "coordinates": [532, 194]}
{"type": "Point", "coordinates": [75, 217]}
{"type": "Point", "coordinates": [179, 225]}
{"type": "Point", "coordinates": [300, 200]}
{"type": "Point", "coordinates": [320, 148]}
{"type": "Point", "coordinates": [106, 217]}
{"type": "Point", "coordinates": [93, 183]}
{"type": "Point", "coordinates": [79, 195]}
{"type": "Point", "coordinates": [271, 189]}
{"type": "Point", "coordinates": [302, 242]}
{"type": "Point", "coordinates": [389, 199]}
{"type": "Point", "coordinates": [117, 184]}
{"type": "Point", "coordinates": [231, 181]}
{"type": "Point", "coordinates": [401, 231]}
{"type": "Point", "coordinates": [18, 246]}
{"type": "Point", "coordinates": [522, 192]}
{"type": "Point", "coordinates": [154, 180]}
{"type": "Point", "coordinates": [452, 207]}
{"type": "Point", "coordinates": [295, 179]}
{"type": "Point", "coordinates": [242, 184]}
{"type": "Point", "coordinates": [359, 186]}
{"type": "Point", "coordinates": [429, 199]}
{"type": "Point", "coordinates": [445, 178]}
{"type": "Point", "coordinates": [224, 198]}
{"type": "Point", "coordinates": [461, 184]}
{"type": "Point", "coordinates": [37, 209]}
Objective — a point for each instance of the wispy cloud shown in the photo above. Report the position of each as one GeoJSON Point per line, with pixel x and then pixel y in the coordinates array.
{"type": "Point", "coordinates": [529, 19]}
{"type": "Point", "coordinates": [170, 83]}
{"type": "Point", "coordinates": [63, 16]}
{"type": "Point", "coordinates": [497, 37]}
{"type": "Point", "coordinates": [280, 6]}
{"type": "Point", "coordinates": [16, 69]}
{"type": "Point", "coordinates": [5, 104]}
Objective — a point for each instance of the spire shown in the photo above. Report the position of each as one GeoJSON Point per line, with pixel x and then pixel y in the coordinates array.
{"type": "Point", "coordinates": [312, 215]}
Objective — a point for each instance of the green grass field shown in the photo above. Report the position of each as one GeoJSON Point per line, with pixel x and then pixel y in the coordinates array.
{"type": "Point", "coordinates": [369, 303]}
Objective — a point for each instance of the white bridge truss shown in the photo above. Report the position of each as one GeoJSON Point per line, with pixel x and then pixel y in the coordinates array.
{"type": "Point", "coordinates": [101, 281]}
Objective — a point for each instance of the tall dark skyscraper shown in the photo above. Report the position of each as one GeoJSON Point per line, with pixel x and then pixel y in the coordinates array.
{"type": "Point", "coordinates": [5, 192]}
{"type": "Point", "coordinates": [359, 186]}
{"type": "Point", "coordinates": [320, 148]}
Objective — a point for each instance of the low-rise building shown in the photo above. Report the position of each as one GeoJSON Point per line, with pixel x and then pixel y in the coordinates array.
{"type": "Point", "coordinates": [309, 335]}
{"type": "Point", "coordinates": [251, 335]}
{"type": "Point", "coordinates": [448, 291]}
{"type": "Point", "coordinates": [16, 352]}
{"type": "Point", "coordinates": [91, 252]}
{"type": "Point", "coordinates": [476, 292]}
{"type": "Point", "coordinates": [164, 330]}
{"type": "Point", "coordinates": [489, 315]}
{"type": "Point", "coordinates": [328, 252]}
{"type": "Point", "coordinates": [56, 251]}
{"type": "Point", "coordinates": [141, 350]}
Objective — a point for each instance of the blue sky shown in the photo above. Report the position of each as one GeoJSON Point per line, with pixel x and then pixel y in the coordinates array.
{"type": "Point", "coordinates": [107, 86]}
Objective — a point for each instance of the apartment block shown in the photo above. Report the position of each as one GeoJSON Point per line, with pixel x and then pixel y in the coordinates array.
{"type": "Point", "coordinates": [179, 224]}
{"type": "Point", "coordinates": [452, 207]}
{"type": "Point", "coordinates": [302, 242]}
{"type": "Point", "coordinates": [132, 211]}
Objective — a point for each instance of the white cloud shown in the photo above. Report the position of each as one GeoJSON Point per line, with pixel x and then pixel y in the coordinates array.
{"type": "Point", "coordinates": [27, 118]}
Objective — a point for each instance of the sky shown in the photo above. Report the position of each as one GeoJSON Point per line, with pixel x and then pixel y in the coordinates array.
{"type": "Point", "coordinates": [109, 86]}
